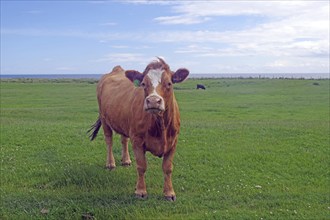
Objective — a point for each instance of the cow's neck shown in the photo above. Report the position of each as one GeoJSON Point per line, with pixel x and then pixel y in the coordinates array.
{"type": "Point", "coordinates": [161, 132]}
{"type": "Point", "coordinates": [160, 123]}
{"type": "Point", "coordinates": [157, 126]}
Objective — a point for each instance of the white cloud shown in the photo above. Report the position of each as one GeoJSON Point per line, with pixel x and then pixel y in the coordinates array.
{"type": "Point", "coordinates": [120, 46]}
{"type": "Point", "coordinates": [137, 61]}
{"type": "Point", "coordinates": [44, 32]}
{"type": "Point", "coordinates": [181, 19]}
{"type": "Point", "coordinates": [278, 63]}
{"type": "Point", "coordinates": [256, 8]}
{"type": "Point", "coordinates": [283, 34]}
{"type": "Point", "coordinates": [150, 2]}
{"type": "Point", "coordinates": [195, 48]}
{"type": "Point", "coordinates": [288, 21]}
{"type": "Point", "coordinates": [117, 58]}
{"type": "Point", "coordinates": [296, 65]}
{"type": "Point", "coordinates": [66, 68]}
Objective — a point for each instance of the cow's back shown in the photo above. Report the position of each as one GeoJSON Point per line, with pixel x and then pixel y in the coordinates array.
{"type": "Point", "coordinates": [115, 94]}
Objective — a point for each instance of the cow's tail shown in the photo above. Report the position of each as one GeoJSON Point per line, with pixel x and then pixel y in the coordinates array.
{"type": "Point", "coordinates": [94, 129]}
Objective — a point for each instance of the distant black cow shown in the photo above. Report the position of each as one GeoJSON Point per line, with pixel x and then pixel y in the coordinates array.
{"type": "Point", "coordinates": [200, 86]}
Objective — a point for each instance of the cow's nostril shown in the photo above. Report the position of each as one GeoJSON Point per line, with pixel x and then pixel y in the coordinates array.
{"type": "Point", "coordinates": [159, 101]}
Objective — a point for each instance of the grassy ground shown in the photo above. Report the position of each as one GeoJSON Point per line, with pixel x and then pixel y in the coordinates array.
{"type": "Point", "coordinates": [248, 149]}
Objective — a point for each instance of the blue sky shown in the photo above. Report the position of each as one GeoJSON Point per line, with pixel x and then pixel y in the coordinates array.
{"type": "Point", "coordinates": [90, 37]}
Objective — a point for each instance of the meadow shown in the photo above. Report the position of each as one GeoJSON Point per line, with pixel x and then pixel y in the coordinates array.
{"type": "Point", "coordinates": [248, 149]}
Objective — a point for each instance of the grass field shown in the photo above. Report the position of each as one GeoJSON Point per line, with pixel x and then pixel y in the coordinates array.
{"type": "Point", "coordinates": [248, 149]}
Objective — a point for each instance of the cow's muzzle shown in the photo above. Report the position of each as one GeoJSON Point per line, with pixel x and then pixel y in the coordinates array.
{"type": "Point", "coordinates": [154, 104]}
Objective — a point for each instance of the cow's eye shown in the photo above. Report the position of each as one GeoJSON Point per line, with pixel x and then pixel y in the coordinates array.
{"type": "Point", "coordinates": [169, 84]}
{"type": "Point", "coordinates": [143, 84]}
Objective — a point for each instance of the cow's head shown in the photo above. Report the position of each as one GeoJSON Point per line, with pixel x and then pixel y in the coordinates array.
{"type": "Point", "coordinates": [157, 81]}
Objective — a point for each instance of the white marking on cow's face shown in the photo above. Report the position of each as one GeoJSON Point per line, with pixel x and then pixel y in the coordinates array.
{"type": "Point", "coordinates": [155, 77]}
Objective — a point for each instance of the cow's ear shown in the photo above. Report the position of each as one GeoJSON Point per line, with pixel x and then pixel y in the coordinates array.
{"type": "Point", "coordinates": [180, 75]}
{"type": "Point", "coordinates": [135, 76]}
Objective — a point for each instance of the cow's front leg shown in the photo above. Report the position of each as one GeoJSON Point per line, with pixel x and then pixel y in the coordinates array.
{"type": "Point", "coordinates": [167, 169]}
{"type": "Point", "coordinates": [141, 165]}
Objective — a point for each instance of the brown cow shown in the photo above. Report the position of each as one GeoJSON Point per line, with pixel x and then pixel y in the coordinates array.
{"type": "Point", "coordinates": [142, 107]}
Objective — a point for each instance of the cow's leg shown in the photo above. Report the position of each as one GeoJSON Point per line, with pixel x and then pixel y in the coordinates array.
{"type": "Point", "coordinates": [110, 164]}
{"type": "Point", "coordinates": [167, 169]}
{"type": "Point", "coordinates": [125, 158]}
{"type": "Point", "coordinates": [141, 166]}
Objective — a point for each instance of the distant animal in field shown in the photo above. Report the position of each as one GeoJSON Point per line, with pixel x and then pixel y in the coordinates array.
{"type": "Point", "coordinates": [200, 86]}
{"type": "Point", "coordinates": [141, 107]}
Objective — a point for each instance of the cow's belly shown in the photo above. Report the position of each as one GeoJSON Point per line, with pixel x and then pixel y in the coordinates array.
{"type": "Point", "coordinates": [119, 129]}
{"type": "Point", "coordinates": [118, 122]}
{"type": "Point", "coordinates": [116, 116]}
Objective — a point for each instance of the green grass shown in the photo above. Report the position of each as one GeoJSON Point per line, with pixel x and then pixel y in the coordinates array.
{"type": "Point", "coordinates": [248, 149]}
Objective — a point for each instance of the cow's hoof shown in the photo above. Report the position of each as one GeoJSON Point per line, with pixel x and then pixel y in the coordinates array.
{"type": "Point", "coordinates": [110, 167]}
{"type": "Point", "coordinates": [141, 196]}
{"type": "Point", "coordinates": [170, 198]}
{"type": "Point", "coordinates": [126, 164]}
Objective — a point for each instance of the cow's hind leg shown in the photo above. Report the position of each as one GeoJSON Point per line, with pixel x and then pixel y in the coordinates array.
{"type": "Point", "coordinates": [125, 158]}
{"type": "Point", "coordinates": [110, 164]}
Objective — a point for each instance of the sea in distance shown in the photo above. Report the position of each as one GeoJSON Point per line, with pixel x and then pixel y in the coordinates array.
{"type": "Point", "coordinates": [196, 75]}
